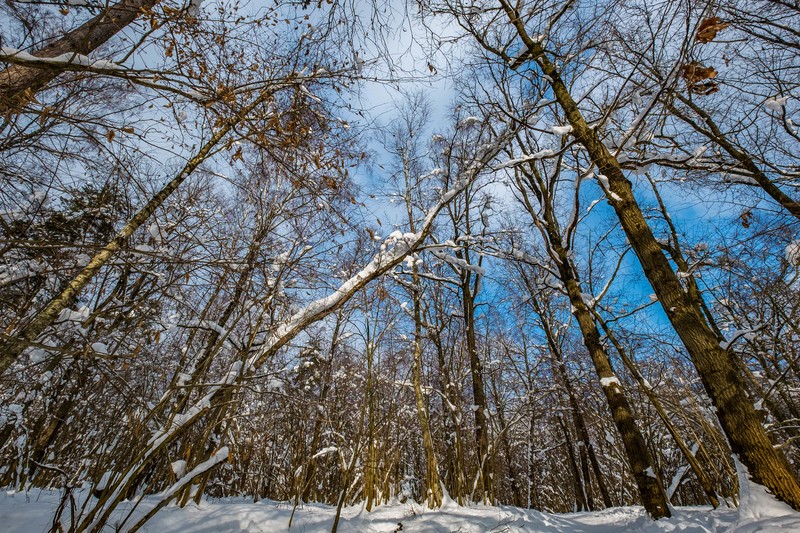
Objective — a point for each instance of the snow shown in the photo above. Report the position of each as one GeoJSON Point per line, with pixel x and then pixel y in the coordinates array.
{"type": "Point", "coordinates": [73, 315]}
{"type": "Point", "coordinates": [562, 130]}
{"type": "Point", "coordinates": [757, 506]}
{"type": "Point", "coordinates": [32, 512]}
{"type": "Point", "coordinates": [525, 159]}
{"type": "Point", "coordinates": [64, 59]}
{"type": "Point", "coordinates": [194, 7]}
{"type": "Point", "coordinates": [603, 181]}
{"type": "Point", "coordinates": [793, 253]}
{"type": "Point", "coordinates": [776, 103]}
{"type": "Point", "coordinates": [607, 382]}
{"type": "Point", "coordinates": [747, 334]}
{"type": "Point", "coordinates": [178, 468]}
{"type": "Point", "coordinates": [459, 264]}
{"type": "Point", "coordinates": [470, 121]}
{"type": "Point", "coordinates": [100, 348]}
{"type": "Point", "coordinates": [325, 451]}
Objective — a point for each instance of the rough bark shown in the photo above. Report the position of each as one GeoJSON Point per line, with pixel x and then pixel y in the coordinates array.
{"type": "Point", "coordinates": [699, 471]}
{"type": "Point", "coordinates": [651, 490]}
{"type": "Point", "coordinates": [20, 83]}
{"type": "Point", "coordinates": [715, 365]}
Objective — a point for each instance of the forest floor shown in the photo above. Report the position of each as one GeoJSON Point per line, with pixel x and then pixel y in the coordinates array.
{"type": "Point", "coordinates": [32, 512]}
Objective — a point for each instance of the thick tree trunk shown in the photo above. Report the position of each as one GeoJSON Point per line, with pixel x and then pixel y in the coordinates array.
{"type": "Point", "coordinates": [651, 490]}
{"type": "Point", "coordinates": [19, 83]}
{"type": "Point", "coordinates": [715, 365]}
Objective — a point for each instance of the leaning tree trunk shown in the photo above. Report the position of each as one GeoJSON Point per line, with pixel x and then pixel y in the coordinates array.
{"type": "Point", "coordinates": [699, 471]}
{"type": "Point", "coordinates": [20, 83]}
{"type": "Point", "coordinates": [716, 366]}
{"type": "Point", "coordinates": [650, 487]}
{"type": "Point", "coordinates": [13, 346]}
{"type": "Point", "coordinates": [651, 490]}
{"type": "Point", "coordinates": [577, 416]}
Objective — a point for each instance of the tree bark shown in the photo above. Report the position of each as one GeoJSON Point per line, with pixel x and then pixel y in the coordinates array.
{"type": "Point", "coordinates": [431, 467]}
{"type": "Point", "coordinates": [715, 365]}
{"type": "Point", "coordinates": [651, 490]}
{"type": "Point", "coordinates": [12, 347]}
{"type": "Point", "coordinates": [20, 83]}
{"type": "Point", "coordinates": [702, 476]}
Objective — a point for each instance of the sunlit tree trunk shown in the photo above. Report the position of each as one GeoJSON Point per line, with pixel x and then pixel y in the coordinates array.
{"type": "Point", "coordinates": [20, 83]}
{"type": "Point", "coordinates": [13, 346]}
{"type": "Point", "coordinates": [434, 488]}
{"type": "Point", "coordinates": [715, 365]}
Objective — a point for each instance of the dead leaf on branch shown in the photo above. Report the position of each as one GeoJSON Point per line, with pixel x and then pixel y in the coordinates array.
{"type": "Point", "coordinates": [330, 182]}
{"type": "Point", "coordinates": [704, 88]}
{"type": "Point", "coordinates": [698, 78]}
{"type": "Point", "coordinates": [695, 72]}
{"type": "Point", "coordinates": [708, 29]}
{"type": "Point", "coordinates": [746, 218]}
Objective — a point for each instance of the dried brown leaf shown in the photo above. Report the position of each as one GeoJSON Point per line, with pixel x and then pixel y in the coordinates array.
{"type": "Point", "coordinates": [694, 72]}
{"type": "Point", "coordinates": [708, 29]}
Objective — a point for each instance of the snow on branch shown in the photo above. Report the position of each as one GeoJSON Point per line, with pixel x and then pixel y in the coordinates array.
{"type": "Point", "coordinates": [526, 159]}
{"type": "Point", "coordinates": [392, 252]}
{"type": "Point", "coordinates": [220, 456]}
{"type": "Point", "coordinates": [12, 55]}
{"type": "Point", "coordinates": [459, 264]}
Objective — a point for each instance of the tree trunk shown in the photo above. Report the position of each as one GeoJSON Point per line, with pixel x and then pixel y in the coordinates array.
{"type": "Point", "coordinates": [478, 393]}
{"type": "Point", "coordinates": [715, 365]}
{"type": "Point", "coordinates": [650, 487]}
{"type": "Point", "coordinates": [13, 346]}
{"type": "Point", "coordinates": [698, 470]}
{"type": "Point", "coordinates": [431, 467]}
{"type": "Point", "coordinates": [20, 83]}
{"type": "Point", "coordinates": [577, 485]}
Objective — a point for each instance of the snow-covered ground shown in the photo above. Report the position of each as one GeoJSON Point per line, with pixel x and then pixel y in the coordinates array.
{"type": "Point", "coordinates": [32, 512]}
